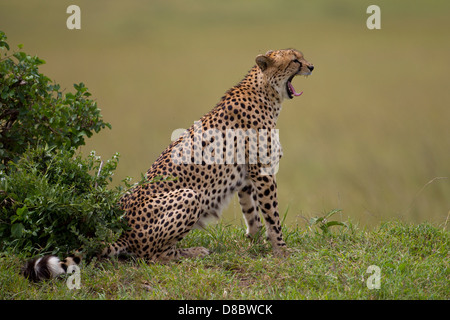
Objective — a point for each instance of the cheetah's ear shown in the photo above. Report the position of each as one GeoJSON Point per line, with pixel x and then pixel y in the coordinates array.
{"type": "Point", "coordinates": [263, 62]}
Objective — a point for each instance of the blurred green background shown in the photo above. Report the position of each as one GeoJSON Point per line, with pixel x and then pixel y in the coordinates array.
{"type": "Point", "coordinates": [370, 131]}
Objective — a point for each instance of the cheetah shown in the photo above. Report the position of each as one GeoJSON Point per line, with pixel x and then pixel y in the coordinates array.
{"type": "Point", "coordinates": [160, 214]}
{"type": "Point", "coordinates": [207, 172]}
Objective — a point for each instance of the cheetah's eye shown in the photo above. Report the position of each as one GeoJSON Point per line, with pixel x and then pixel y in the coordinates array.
{"type": "Point", "coordinates": [295, 60]}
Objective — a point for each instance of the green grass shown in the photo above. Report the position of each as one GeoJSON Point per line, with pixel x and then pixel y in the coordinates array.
{"type": "Point", "coordinates": [414, 262]}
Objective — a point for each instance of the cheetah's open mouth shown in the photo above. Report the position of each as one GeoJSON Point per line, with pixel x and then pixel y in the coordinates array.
{"type": "Point", "coordinates": [290, 88]}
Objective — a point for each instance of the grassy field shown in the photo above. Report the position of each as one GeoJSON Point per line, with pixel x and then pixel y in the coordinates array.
{"type": "Point", "coordinates": [368, 134]}
{"type": "Point", "coordinates": [414, 263]}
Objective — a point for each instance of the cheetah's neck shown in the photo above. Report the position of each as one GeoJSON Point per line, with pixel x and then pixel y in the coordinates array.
{"type": "Point", "coordinates": [256, 83]}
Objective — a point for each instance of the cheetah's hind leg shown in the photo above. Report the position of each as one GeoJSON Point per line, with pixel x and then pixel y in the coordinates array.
{"type": "Point", "coordinates": [180, 253]}
{"type": "Point", "coordinates": [178, 214]}
{"type": "Point", "coordinates": [121, 246]}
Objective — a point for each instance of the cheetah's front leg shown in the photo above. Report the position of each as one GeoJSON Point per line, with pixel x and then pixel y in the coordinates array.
{"type": "Point", "coordinates": [266, 191]}
{"type": "Point", "coordinates": [248, 201]}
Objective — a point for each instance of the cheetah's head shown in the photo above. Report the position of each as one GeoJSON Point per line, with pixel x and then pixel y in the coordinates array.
{"type": "Point", "coordinates": [281, 66]}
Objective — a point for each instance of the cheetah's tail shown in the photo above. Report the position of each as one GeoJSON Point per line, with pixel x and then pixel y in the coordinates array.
{"type": "Point", "coordinates": [48, 267]}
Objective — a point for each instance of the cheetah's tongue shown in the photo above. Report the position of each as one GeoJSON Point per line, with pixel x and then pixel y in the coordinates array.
{"type": "Point", "coordinates": [291, 87]}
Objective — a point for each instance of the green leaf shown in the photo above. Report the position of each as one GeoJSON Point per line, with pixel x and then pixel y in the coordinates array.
{"type": "Point", "coordinates": [3, 44]}
{"type": "Point", "coordinates": [314, 221]}
{"type": "Point", "coordinates": [332, 212]}
{"type": "Point", "coordinates": [335, 223]}
{"type": "Point", "coordinates": [17, 230]}
{"type": "Point", "coordinates": [21, 212]}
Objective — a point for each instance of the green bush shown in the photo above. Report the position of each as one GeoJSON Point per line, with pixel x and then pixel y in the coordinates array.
{"type": "Point", "coordinates": [34, 111]}
{"type": "Point", "coordinates": [53, 202]}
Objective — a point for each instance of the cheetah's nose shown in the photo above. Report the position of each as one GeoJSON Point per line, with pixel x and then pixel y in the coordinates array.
{"type": "Point", "coordinates": [311, 68]}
